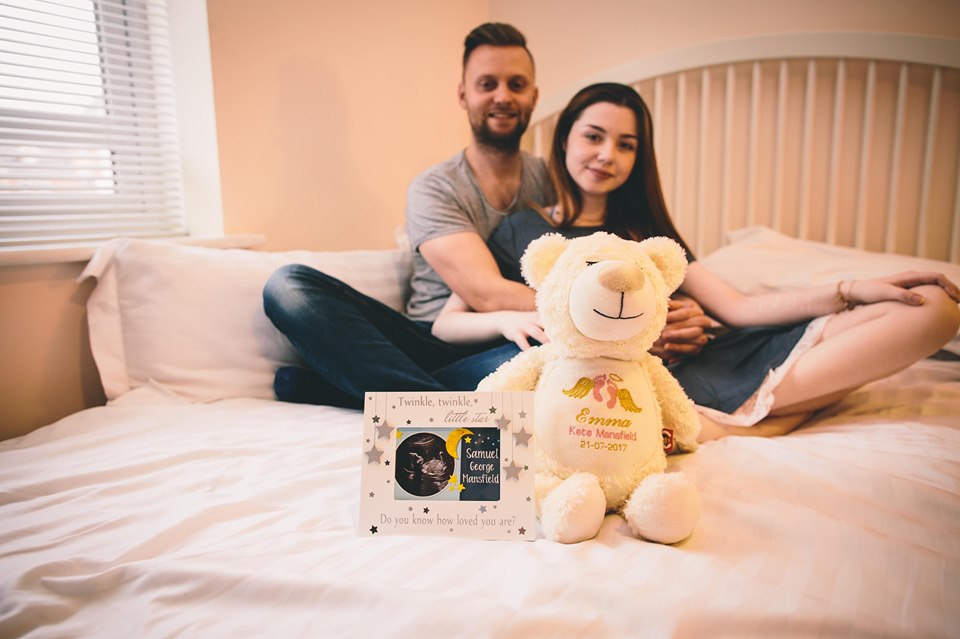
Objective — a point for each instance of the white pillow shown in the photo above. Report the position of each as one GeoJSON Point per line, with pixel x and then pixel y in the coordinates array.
{"type": "Point", "coordinates": [191, 319]}
{"type": "Point", "coordinates": [757, 259]}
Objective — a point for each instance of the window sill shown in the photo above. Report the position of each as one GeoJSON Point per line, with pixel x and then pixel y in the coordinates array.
{"type": "Point", "coordinates": [26, 257]}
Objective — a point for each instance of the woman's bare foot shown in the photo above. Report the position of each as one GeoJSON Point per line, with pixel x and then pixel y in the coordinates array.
{"type": "Point", "coordinates": [768, 427]}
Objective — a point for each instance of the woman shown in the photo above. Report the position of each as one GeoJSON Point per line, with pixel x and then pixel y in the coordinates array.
{"type": "Point", "coordinates": [776, 357]}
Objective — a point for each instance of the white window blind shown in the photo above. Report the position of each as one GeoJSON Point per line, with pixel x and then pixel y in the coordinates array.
{"type": "Point", "coordinates": [88, 140]}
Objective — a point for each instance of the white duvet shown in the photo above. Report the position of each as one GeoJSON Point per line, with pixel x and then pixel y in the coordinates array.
{"type": "Point", "coordinates": [157, 518]}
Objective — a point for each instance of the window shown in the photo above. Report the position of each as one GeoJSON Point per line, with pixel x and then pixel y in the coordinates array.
{"type": "Point", "coordinates": [88, 135]}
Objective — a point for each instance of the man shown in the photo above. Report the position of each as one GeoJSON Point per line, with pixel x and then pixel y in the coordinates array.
{"type": "Point", "coordinates": [454, 206]}
{"type": "Point", "coordinates": [451, 210]}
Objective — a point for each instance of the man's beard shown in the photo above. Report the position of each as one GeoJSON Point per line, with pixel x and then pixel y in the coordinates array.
{"type": "Point", "coordinates": [499, 141]}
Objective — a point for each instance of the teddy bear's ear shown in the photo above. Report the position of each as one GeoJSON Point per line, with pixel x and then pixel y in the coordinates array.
{"type": "Point", "coordinates": [540, 256]}
{"type": "Point", "coordinates": [669, 257]}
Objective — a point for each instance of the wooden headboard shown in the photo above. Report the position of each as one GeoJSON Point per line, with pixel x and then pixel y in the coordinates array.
{"type": "Point", "coordinates": [846, 138]}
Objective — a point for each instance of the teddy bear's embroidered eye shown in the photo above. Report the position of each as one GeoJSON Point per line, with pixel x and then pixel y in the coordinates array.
{"type": "Point", "coordinates": [589, 263]}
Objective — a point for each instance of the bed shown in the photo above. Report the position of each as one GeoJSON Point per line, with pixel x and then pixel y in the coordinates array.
{"type": "Point", "coordinates": [194, 504]}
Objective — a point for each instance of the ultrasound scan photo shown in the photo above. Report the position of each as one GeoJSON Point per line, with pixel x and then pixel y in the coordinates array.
{"type": "Point", "coordinates": [423, 464]}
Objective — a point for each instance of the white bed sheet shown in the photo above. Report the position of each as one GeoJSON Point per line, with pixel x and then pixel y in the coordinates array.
{"type": "Point", "coordinates": [157, 518]}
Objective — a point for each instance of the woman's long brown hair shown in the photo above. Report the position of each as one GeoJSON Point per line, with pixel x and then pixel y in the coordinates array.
{"type": "Point", "coordinates": [637, 209]}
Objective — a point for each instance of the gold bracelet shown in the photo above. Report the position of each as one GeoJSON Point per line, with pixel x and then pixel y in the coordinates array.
{"type": "Point", "coordinates": [845, 303]}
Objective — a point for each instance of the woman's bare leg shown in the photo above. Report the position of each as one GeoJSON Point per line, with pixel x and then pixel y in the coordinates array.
{"type": "Point", "coordinates": [866, 344]}
{"type": "Point", "coordinates": [859, 346]}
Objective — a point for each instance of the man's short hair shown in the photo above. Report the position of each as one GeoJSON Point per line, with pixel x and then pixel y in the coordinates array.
{"type": "Point", "coordinates": [497, 34]}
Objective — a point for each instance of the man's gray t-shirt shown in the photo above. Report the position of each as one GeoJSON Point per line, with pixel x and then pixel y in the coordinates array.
{"type": "Point", "coordinates": [446, 199]}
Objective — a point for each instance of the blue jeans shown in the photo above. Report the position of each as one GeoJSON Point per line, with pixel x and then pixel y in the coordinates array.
{"type": "Point", "coordinates": [354, 344]}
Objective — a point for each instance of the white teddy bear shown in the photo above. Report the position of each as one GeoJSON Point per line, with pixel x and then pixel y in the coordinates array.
{"type": "Point", "coordinates": [606, 410]}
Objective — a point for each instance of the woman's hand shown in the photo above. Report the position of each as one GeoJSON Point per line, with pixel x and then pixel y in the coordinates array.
{"type": "Point", "coordinates": [684, 334]}
{"type": "Point", "coordinates": [897, 288]}
{"type": "Point", "coordinates": [520, 326]}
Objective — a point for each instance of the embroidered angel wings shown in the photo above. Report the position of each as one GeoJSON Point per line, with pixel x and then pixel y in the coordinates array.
{"type": "Point", "coordinates": [585, 385]}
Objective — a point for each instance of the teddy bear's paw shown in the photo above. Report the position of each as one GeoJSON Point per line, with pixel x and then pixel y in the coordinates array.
{"type": "Point", "coordinates": [664, 508]}
{"type": "Point", "coordinates": [574, 510]}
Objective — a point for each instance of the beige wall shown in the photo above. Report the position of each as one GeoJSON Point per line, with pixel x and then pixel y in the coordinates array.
{"type": "Point", "coordinates": [47, 370]}
{"type": "Point", "coordinates": [326, 110]}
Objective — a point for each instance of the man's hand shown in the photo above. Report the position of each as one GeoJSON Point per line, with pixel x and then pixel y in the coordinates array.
{"type": "Point", "coordinates": [684, 334]}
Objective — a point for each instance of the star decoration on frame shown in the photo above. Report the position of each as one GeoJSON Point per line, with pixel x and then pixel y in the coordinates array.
{"type": "Point", "coordinates": [383, 431]}
{"type": "Point", "coordinates": [513, 471]}
{"type": "Point", "coordinates": [502, 422]}
{"type": "Point", "coordinates": [521, 437]}
{"type": "Point", "coordinates": [373, 455]}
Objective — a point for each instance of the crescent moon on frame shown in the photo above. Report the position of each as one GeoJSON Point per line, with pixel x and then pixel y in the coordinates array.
{"type": "Point", "coordinates": [453, 439]}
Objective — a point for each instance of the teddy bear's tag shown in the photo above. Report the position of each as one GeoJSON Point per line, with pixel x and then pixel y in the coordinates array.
{"type": "Point", "coordinates": [668, 445]}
